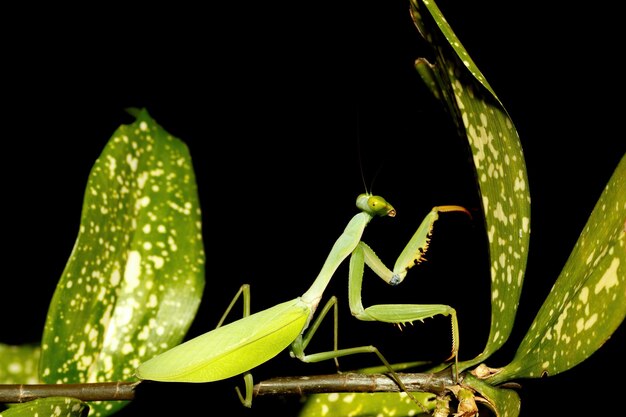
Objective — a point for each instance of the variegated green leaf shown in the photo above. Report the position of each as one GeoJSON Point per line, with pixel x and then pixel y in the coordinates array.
{"type": "Point", "coordinates": [503, 402]}
{"type": "Point", "coordinates": [19, 364]}
{"type": "Point", "coordinates": [451, 38]}
{"type": "Point", "coordinates": [588, 300]}
{"type": "Point", "coordinates": [366, 404]}
{"type": "Point", "coordinates": [135, 277]}
{"type": "Point", "coordinates": [501, 172]}
{"type": "Point", "coordinates": [48, 407]}
{"type": "Point", "coordinates": [498, 159]}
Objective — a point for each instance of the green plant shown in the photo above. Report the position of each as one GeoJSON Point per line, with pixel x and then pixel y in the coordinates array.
{"type": "Point", "coordinates": [564, 332]}
{"type": "Point", "coordinates": [243, 278]}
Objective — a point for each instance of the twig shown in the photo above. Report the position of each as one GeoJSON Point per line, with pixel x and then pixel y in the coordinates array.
{"type": "Point", "coordinates": [353, 382]}
{"type": "Point", "coordinates": [297, 385]}
{"type": "Point", "coordinates": [102, 391]}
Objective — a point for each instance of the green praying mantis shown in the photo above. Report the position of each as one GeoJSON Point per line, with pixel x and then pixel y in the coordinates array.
{"type": "Point", "coordinates": [236, 348]}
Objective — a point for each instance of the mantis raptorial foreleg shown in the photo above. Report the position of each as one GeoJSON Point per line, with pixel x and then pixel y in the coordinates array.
{"type": "Point", "coordinates": [412, 255]}
{"type": "Point", "coordinates": [235, 348]}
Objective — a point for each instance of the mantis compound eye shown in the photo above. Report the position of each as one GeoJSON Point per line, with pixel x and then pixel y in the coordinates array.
{"type": "Point", "coordinates": [380, 206]}
{"type": "Point", "coordinates": [375, 205]}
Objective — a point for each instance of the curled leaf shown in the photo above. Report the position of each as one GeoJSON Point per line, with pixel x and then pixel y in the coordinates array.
{"type": "Point", "coordinates": [481, 118]}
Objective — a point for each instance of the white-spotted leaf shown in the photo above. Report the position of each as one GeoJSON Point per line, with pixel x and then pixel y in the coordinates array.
{"type": "Point", "coordinates": [479, 116]}
{"type": "Point", "coordinates": [453, 41]}
{"type": "Point", "coordinates": [48, 407]}
{"type": "Point", "coordinates": [135, 277]}
{"type": "Point", "coordinates": [588, 300]}
{"type": "Point", "coordinates": [498, 159]}
{"type": "Point", "coordinates": [19, 364]}
{"type": "Point", "coordinates": [379, 404]}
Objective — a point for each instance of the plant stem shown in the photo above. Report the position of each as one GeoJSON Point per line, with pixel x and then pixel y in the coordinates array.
{"type": "Point", "coordinates": [296, 385]}
{"type": "Point", "coordinates": [101, 391]}
{"type": "Point", "coordinates": [353, 382]}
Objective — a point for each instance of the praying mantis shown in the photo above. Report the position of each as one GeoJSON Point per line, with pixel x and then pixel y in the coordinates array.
{"type": "Point", "coordinates": [237, 347]}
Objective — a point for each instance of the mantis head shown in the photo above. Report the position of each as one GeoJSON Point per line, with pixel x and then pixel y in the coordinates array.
{"type": "Point", "coordinates": [375, 205]}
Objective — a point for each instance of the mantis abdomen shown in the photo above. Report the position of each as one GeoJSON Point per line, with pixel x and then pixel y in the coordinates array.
{"type": "Point", "coordinates": [231, 349]}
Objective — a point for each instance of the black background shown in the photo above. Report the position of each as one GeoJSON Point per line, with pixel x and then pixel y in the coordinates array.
{"type": "Point", "coordinates": [284, 108]}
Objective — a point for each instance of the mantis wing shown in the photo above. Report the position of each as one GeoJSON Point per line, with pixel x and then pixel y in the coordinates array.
{"type": "Point", "coordinates": [231, 349]}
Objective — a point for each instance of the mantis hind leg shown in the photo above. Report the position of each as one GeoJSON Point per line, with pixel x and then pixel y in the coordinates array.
{"type": "Point", "coordinates": [244, 293]}
{"type": "Point", "coordinates": [249, 384]}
